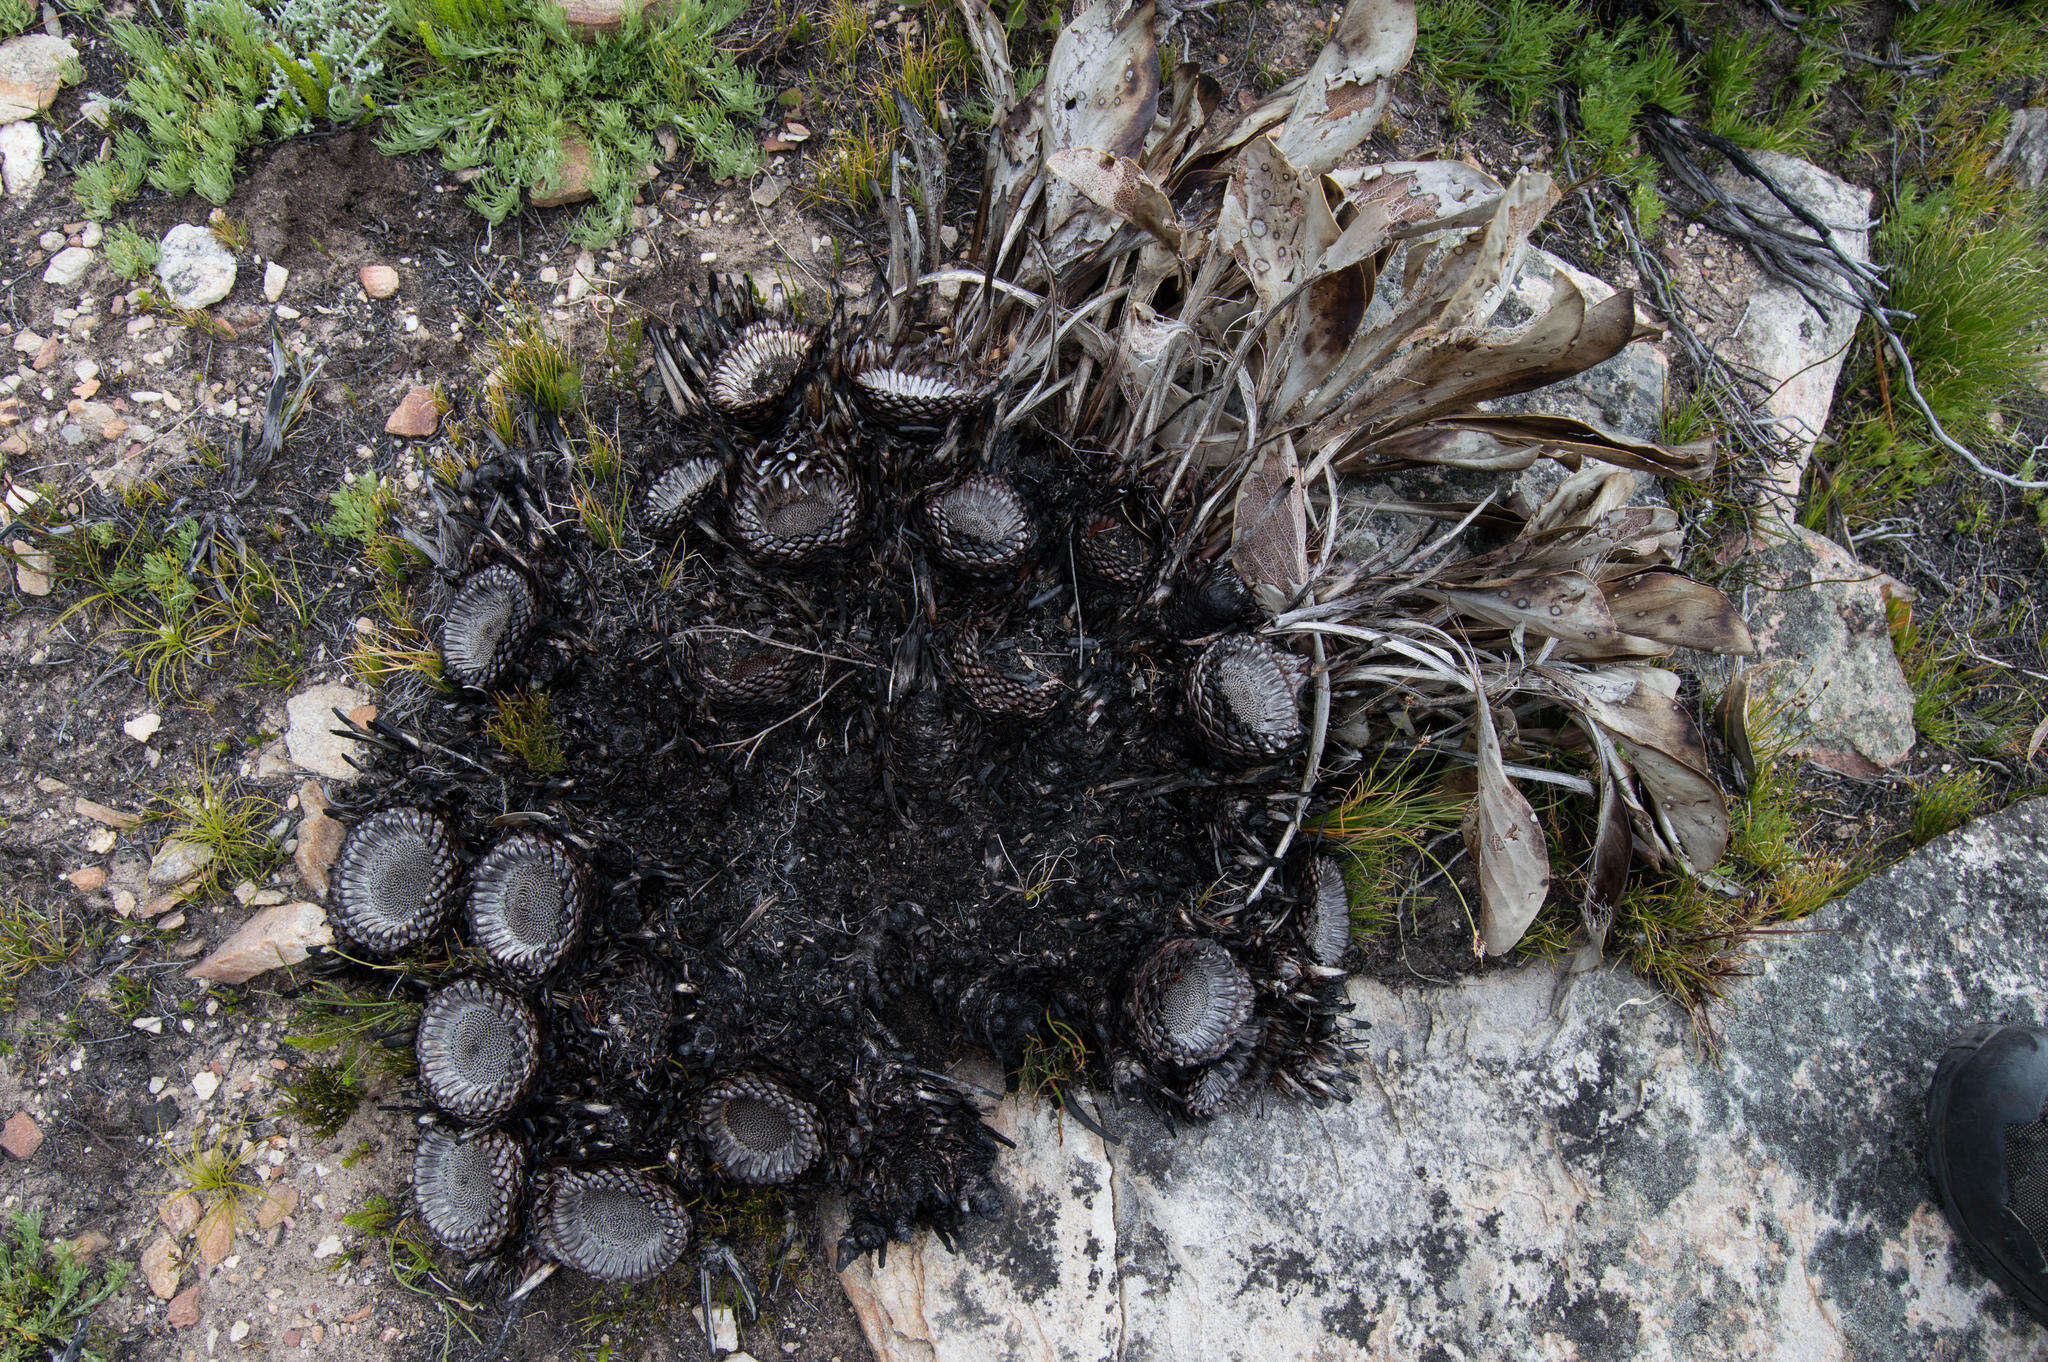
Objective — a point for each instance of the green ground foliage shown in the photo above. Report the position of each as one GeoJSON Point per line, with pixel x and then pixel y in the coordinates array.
{"type": "Point", "coordinates": [48, 1294]}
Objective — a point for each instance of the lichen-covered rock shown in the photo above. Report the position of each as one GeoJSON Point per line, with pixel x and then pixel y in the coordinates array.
{"type": "Point", "coordinates": [197, 270]}
{"type": "Point", "coordinates": [1824, 649]}
{"type": "Point", "coordinates": [1543, 1165]}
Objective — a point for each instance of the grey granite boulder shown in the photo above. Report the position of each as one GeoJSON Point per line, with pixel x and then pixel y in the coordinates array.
{"type": "Point", "coordinates": [2025, 150]}
{"type": "Point", "coordinates": [1541, 1166]}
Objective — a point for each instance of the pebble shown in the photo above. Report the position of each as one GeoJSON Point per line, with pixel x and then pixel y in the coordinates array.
{"type": "Point", "coordinates": [274, 277]}
{"type": "Point", "coordinates": [379, 281]}
{"type": "Point", "coordinates": [197, 270]}
{"type": "Point", "coordinates": [21, 1136]}
{"type": "Point", "coordinates": [153, 1025]}
{"type": "Point", "coordinates": [88, 879]}
{"type": "Point", "coordinates": [184, 1311]}
{"type": "Point", "coordinates": [205, 1084]}
{"type": "Point", "coordinates": [143, 726]}
{"type": "Point", "coordinates": [416, 416]}
{"type": "Point", "coordinates": [21, 157]}
{"type": "Point", "coordinates": [68, 266]}
{"type": "Point", "coordinates": [328, 1247]}
{"type": "Point", "coordinates": [238, 1331]}
{"type": "Point", "coordinates": [52, 241]}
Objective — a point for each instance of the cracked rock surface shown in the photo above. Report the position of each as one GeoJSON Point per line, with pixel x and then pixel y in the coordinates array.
{"type": "Point", "coordinates": [1539, 1166]}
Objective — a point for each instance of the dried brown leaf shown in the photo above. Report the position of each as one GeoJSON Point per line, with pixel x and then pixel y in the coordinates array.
{"type": "Point", "coordinates": [1346, 91]}
{"type": "Point", "coordinates": [1120, 185]}
{"type": "Point", "coordinates": [1673, 608]}
{"type": "Point", "coordinates": [1269, 534]}
{"type": "Point", "coordinates": [1506, 844]}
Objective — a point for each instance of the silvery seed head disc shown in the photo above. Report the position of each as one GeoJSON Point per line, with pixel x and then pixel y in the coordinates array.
{"type": "Point", "coordinates": [982, 525]}
{"type": "Point", "coordinates": [758, 1131]}
{"type": "Point", "coordinates": [393, 880]}
{"type": "Point", "coordinates": [528, 901]}
{"type": "Point", "coordinates": [1188, 1000]}
{"type": "Point", "coordinates": [674, 497]}
{"type": "Point", "coordinates": [1242, 698]}
{"type": "Point", "coordinates": [1327, 923]}
{"type": "Point", "coordinates": [903, 395]}
{"type": "Point", "coordinates": [478, 1048]}
{"type": "Point", "coordinates": [467, 1186]}
{"type": "Point", "coordinates": [610, 1221]}
{"type": "Point", "coordinates": [486, 623]}
{"type": "Point", "coordinates": [756, 370]}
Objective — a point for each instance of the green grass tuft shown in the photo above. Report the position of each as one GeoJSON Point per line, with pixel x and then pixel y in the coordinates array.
{"type": "Point", "coordinates": [524, 726]}
{"type": "Point", "coordinates": [1946, 802]}
{"type": "Point", "coordinates": [32, 938]}
{"type": "Point", "coordinates": [130, 254]}
{"type": "Point", "coordinates": [235, 827]}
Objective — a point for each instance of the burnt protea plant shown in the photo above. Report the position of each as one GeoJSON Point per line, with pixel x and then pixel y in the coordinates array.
{"type": "Point", "coordinates": [758, 1131]}
{"type": "Point", "coordinates": [486, 623]}
{"type": "Point", "coordinates": [466, 1186]}
{"type": "Point", "coordinates": [1224, 1083]}
{"type": "Point", "coordinates": [610, 1221]}
{"type": "Point", "coordinates": [478, 1049]}
{"type": "Point", "coordinates": [903, 395]}
{"type": "Point", "coordinates": [794, 520]}
{"type": "Point", "coordinates": [1111, 552]}
{"type": "Point", "coordinates": [758, 370]}
{"type": "Point", "coordinates": [1241, 693]}
{"type": "Point", "coordinates": [1002, 680]}
{"type": "Point", "coordinates": [982, 525]}
{"type": "Point", "coordinates": [1187, 1001]}
{"type": "Point", "coordinates": [672, 498]}
{"type": "Point", "coordinates": [528, 899]}
{"type": "Point", "coordinates": [739, 669]}
{"type": "Point", "coordinates": [393, 882]}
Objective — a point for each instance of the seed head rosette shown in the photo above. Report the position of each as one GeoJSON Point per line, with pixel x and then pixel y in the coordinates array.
{"type": "Point", "coordinates": [467, 1185]}
{"type": "Point", "coordinates": [982, 525]}
{"type": "Point", "coordinates": [478, 1049]}
{"type": "Point", "coordinates": [528, 898]}
{"type": "Point", "coordinates": [902, 395]}
{"type": "Point", "coordinates": [1188, 1000]}
{"type": "Point", "coordinates": [393, 882]}
{"type": "Point", "coordinates": [674, 496]}
{"type": "Point", "coordinates": [758, 369]}
{"type": "Point", "coordinates": [613, 1222]}
{"type": "Point", "coordinates": [758, 1131]}
{"type": "Point", "coordinates": [486, 624]}
{"type": "Point", "coordinates": [1242, 697]}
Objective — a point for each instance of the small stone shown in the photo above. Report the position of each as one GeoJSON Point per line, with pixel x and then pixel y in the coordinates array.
{"type": "Point", "coordinates": [143, 726]}
{"type": "Point", "coordinates": [32, 70]}
{"type": "Point", "coordinates": [571, 181]}
{"type": "Point", "coordinates": [549, 274]}
{"type": "Point", "coordinates": [197, 270]}
{"type": "Point", "coordinates": [160, 1267]}
{"type": "Point", "coordinates": [180, 1214]}
{"type": "Point", "coordinates": [177, 861]}
{"type": "Point", "coordinates": [184, 1309]}
{"type": "Point", "coordinates": [205, 1084]}
{"type": "Point", "coordinates": [309, 737]}
{"type": "Point", "coordinates": [21, 158]}
{"type": "Point", "coordinates": [101, 842]}
{"type": "Point", "coordinates": [416, 416]}
{"type": "Point", "coordinates": [68, 266]}
{"type": "Point", "coordinates": [319, 840]}
{"type": "Point", "coordinates": [580, 275]}
{"type": "Point", "coordinates": [238, 1331]}
{"type": "Point", "coordinates": [52, 241]}
{"type": "Point", "coordinates": [949, 235]}
{"type": "Point", "coordinates": [153, 1025]}
{"type": "Point", "coordinates": [328, 1247]}
{"type": "Point", "coordinates": [91, 235]}
{"type": "Point", "coordinates": [125, 902]}
{"type": "Point", "coordinates": [101, 813]}
{"type": "Point", "coordinates": [27, 342]}
{"type": "Point", "coordinates": [725, 1331]}
{"type": "Point", "coordinates": [88, 879]}
{"type": "Point", "coordinates": [276, 1205]}
{"type": "Point", "coordinates": [31, 569]}
{"type": "Point", "coordinates": [46, 356]}
{"type": "Point", "coordinates": [275, 938]}
{"type": "Point", "coordinates": [274, 278]}
{"type": "Point", "coordinates": [21, 1136]}
{"type": "Point", "coordinates": [767, 191]}
{"type": "Point", "coordinates": [379, 281]}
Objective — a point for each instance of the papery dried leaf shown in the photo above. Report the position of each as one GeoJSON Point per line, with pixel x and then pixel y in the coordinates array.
{"type": "Point", "coordinates": [1638, 706]}
{"type": "Point", "coordinates": [1444, 446]}
{"type": "Point", "coordinates": [1227, 134]}
{"type": "Point", "coordinates": [1101, 92]}
{"type": "Point", "coordinates": [1264, 209]}
{"type": "Point", "coordinates": [1568, 605]}
{"type": "Point", "coordinates": [1419, 192]}
{"type": "Point", "coordinates": [1194, 99]}
{"type": "Point", "coordinates": [1606, 875]}
{"type": "Point", "coordinates": [1118, 184]}
{"type": "Point", "coordinates": [1345, 92]}
{"type": "Point", "coordinates": [1506, 844]}
{"type": "Point", "coordinates": [1269, 537]}
{"type": "Point", "coordinates": [1673, 608]}
{"type": "Point", "coordinates": [991, 43]}
{"type": "Point", "coordinates": [1731, 717]}
{"type": "Point", "coordinates": [1566, 437]}
{"type": "Point", "coordinates": [1585, 496]}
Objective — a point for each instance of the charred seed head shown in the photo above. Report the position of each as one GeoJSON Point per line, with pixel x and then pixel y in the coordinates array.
{"type": "Point", "coordinates": [1187, 1001]}
{"type": "Point", "coordinates": [1221, 1084]}
{"type": "Point", "coordinates": [1218, 599]}
{"type": "Point", "coordinates": [611, 1222]}
{"type": "Point", "coordinates": [1327, 924]}
{"type": "Point", "coordinates": [758, 1131]}
{"type": "Point", "coordinates": [737, 670]}
{"type": "Point", "coordinates": [467, 1186]}
{"type": "Point", "coordinates": [903, 395]}
{"type": "Point", "coordinates": [479, 1048]}
{"type": "Point", "coordinates": [1241, 695]}
{"type": "Point", "coordinates": [981, 525]}
{"type": "Point", "coordinates": [674, 497]}
{"type": "Point", "coordinates": [1001, 680]}
{"type": "Point", "coordinates": [394, 880]}
{"type": "Point", "coordinates": [757, 369]}
{"type": "Point", "coordinates": [796, 520]}
{"type": "Point", "coordinates": [486, 624]}
{"type": "Point", "coordinates": [528, 899]}
{"type": "Point", "coordinates": [1109, 551]}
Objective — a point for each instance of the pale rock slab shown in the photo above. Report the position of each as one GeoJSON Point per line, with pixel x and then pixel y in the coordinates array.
{"type": "Point", "coordinates": [1794, 349]}
{"type": "Point", "coordinates": [21, 158]}
{"type": "Point", "coordinates": [310, 719]}
{"type": "Point", "coordinates": [32, 70]}
{"type": "Point", "coordinates": [1038, 1284]}
{"type": "Point", "coordinates": [2025, 150]}
{"type": "Point", "coordinates": [1823, 648]}
{"type": "Point", "coordinates": [197, 270]}
{"type": "Point", "coordinates": [68, 266]}
{"type": "Point", "coordinates": [1537, 1165]}
{"type": "Point", "coordinates": [282, 935]}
